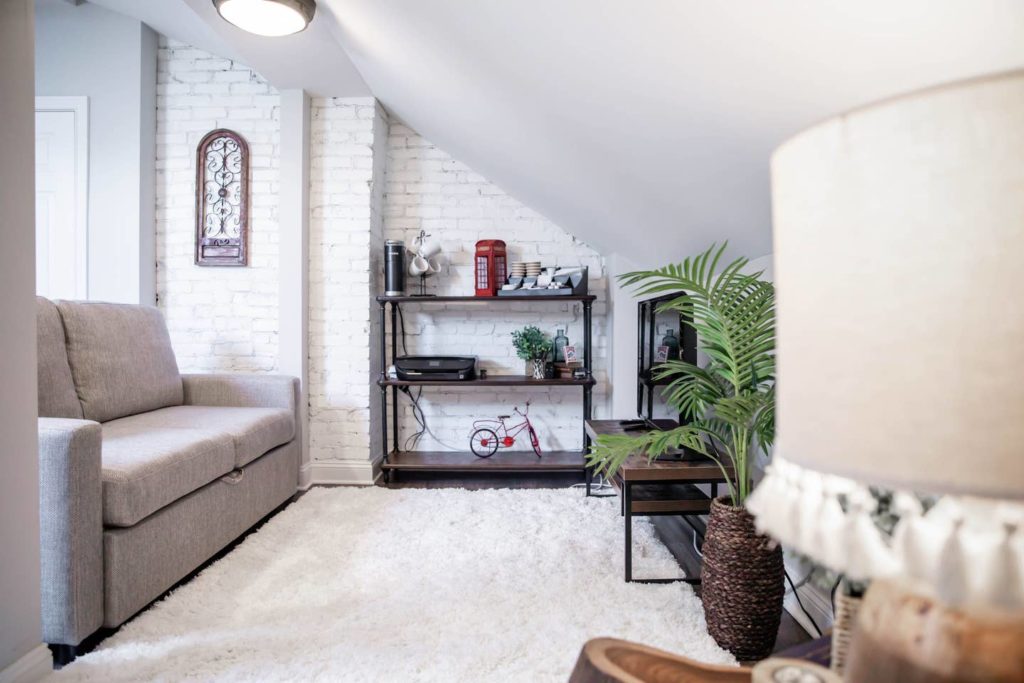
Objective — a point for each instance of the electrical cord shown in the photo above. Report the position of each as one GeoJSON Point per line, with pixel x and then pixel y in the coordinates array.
{"type": "Point", "coordinates": [801, 603]}
{"type": "Point", "coordinates": [417, 411]}
{"type": "Point", "coordinates": [600, 484]}
{"type": "Point", "coordinates": [421, 421]}
{"type": "Point", "coordinates": [401, 317]}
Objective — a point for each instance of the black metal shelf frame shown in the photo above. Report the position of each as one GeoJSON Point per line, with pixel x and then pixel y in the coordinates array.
{"type": "Point", "coordinates": [395, 302]}
{"type": "Point", "coordinates": [646, 331]}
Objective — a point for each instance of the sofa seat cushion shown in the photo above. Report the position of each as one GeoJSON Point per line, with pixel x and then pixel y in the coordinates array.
{"type": "Point", "coordinates": [253, 431]}
{"type": "Point", "coordinates": [145, 467]}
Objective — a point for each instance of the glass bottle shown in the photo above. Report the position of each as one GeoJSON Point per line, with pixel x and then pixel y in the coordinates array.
{"type": "Point", "coordinates": [672, 342]}
{"type": "Point", "coordinates": [561, 341]}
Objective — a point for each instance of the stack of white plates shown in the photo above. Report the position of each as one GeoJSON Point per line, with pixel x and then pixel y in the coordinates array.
{"type": "Point", "coordinates": [532, 268]}
{"type": "Point", "coordinates": [517, 269]}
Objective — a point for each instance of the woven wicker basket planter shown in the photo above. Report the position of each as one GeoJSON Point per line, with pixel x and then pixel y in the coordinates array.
{"type": "Point", "coordinates": [742, 583]}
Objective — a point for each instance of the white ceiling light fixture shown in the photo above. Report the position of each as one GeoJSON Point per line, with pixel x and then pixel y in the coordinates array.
{"type": "Point", "coordinates": [267, 17]}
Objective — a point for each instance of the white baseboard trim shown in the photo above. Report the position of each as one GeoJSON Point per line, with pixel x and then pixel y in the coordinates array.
{"type": "Point", "coordinates": [305, 476]}
{"type": "Point", "coordinates": [352, 472]}
{"type": "Point", "coordinates": [34, 666]}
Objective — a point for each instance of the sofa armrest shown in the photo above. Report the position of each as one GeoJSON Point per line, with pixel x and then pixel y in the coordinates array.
{"type": "Point", "coordinates": [242, 391]}
{"type": "Point", "coordinates": [71, 528]}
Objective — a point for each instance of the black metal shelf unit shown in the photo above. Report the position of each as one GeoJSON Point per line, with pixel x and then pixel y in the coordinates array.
{"type": "Point", "coordinates": [647, 319]}
{"type": "Point", "coordinates": [394, 459]}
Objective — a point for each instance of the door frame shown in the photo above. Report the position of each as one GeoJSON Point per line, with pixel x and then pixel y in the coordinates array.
{"type": "Point", "coordinates": [79, 106]}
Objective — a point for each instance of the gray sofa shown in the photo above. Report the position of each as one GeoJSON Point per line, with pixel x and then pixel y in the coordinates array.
{"type": "Point", "coordinates": [144, 473]}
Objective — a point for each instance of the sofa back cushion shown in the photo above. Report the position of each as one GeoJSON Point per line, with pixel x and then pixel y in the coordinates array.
{"type": "Point", "coordinates": [121, 359]}
{"type": "Point", "coordinates": [57, 397]}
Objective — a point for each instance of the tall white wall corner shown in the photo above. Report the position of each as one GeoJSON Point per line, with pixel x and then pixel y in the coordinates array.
{"type": "Point", "coordinates": [20, 628]}
{"type": "Point", "coordinates": [344, 219]}
{"type": "Point", "coordinates": [293, 252]}
{"type": "Point", "coordinates": [149, 42]}
{"type": "Point", "coordinates": [381, 123]}
{"type": "Point", "coordinates": [623, 334]}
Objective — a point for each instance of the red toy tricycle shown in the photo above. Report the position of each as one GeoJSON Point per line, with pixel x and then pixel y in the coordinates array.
{"type": "Point", "coordinates": [490, 435]}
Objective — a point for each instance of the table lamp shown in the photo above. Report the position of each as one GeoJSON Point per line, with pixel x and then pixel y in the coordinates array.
{"type": "Point", "coordinates": [899, 268]}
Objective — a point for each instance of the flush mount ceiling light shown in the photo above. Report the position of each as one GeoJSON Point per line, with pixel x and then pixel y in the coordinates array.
{"type": "Point", "coordinates": [267, 17]}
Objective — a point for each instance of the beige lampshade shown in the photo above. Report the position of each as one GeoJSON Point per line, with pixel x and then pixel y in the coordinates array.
{"type": "Point", "coordinates": [899, 266]}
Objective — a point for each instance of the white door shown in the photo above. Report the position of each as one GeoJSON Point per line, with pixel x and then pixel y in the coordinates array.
{"type": "Point", "coordinates": [61, 185]}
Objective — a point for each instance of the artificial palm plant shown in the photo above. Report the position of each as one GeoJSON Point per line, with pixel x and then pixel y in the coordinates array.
{"type": "Point", "coordinates": [729, 406]}
{"type": "Point", "coordinates": [730, 401]}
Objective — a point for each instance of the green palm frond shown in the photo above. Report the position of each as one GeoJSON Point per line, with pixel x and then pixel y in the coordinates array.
{"type": "Point", "coordinates": [730, 402]}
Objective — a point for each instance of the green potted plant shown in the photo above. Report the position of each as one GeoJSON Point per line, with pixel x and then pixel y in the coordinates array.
{"type": "Point", "coordinates": [729, 404]}
{"type": "Point", "coordinates": [533, 346]}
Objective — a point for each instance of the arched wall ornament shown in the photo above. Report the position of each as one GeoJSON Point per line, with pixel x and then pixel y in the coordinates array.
{"type": "Point", "coordinates": [222, 199]}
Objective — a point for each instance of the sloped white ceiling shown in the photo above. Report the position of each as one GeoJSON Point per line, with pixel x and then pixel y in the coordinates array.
{"type": "Point", "coordinates": [643, 127]}
{"type": "Point", "coordinates": [312, 60]}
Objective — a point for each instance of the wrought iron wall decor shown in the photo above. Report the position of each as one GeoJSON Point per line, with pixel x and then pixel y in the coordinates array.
{"type": "Point", "coordinates": [222, 199]}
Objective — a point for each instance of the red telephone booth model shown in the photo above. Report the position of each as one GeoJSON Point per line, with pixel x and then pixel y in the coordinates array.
{"type": "Point", "coordinates": [491, 270]}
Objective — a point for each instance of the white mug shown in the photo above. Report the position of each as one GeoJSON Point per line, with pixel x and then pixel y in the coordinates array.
{"type": "Point", "coordinates": [431, 248]}
{"type": "Point", "coordinates": [434, 265]}
{"type": "Point", "coordinates": [418, 266]}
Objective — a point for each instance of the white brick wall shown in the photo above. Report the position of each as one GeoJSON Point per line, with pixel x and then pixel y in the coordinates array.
{"type": "Point", "coordinates": [220, 318]}
{"type": "Point", "coordinates": [428, 189]}
{"type": "Point", "coordinates": [370, 179]}
{"type": "Point", "coordinates": [344, 240]}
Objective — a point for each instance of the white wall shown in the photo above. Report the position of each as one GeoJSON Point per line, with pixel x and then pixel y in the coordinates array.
{"type": "Point", "coordinates": [221, 319]}
{"type": "Point", "coordinates": [344, 234]}
{"type": "Point", "coordinates": [110, 58]}
{"type": "Point", "coordinates": [19, 482]}
{"type": "Point", "coordinates": [428, 189]}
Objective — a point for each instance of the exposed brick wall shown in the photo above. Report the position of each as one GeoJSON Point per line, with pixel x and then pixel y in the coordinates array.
{"type": "Point", "coordinates": [220, 319]}
{"type": "Point", "coordinates": [370, 179]}
{"type": "Point", "coordinates": [428, 189]}
{"type": "Point", "coordinates": [345, 236]}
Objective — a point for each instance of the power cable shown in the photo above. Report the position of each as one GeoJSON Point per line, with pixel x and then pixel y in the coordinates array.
{"type": "Point", "coordinates": [801, 603]}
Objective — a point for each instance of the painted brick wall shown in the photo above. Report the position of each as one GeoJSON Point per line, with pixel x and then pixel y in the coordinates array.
{"type": "Point", "coordinates": [370, 179]}
{"type": "Point", "coordinates": [220, 319]}
{"type": "Point", "coordinates": [427, 189]}
{"type": "Point", "coordinates": [345, 238]}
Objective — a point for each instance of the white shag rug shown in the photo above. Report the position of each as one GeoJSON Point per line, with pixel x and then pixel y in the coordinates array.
{"type": "Point", "coordinates": [371, 584]}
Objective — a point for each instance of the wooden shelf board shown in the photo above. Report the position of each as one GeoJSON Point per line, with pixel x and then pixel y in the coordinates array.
{"type": "Point", "coordinates": [502, 461]}
{"type": "Point", "coordinates": [482, 299]}
{"type": "Point", "coordinates": [490, 381]}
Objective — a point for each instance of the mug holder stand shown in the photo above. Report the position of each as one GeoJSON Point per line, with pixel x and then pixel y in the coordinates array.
{"type": "Point", "coordinates": [423, 287]}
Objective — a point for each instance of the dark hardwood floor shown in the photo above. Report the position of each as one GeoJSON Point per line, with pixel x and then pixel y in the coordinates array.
{"type": "Point", "coordinates": [674, 531]}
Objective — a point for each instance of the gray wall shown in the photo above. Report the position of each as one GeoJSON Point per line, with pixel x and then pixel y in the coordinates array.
{"type": "Point", "coordinates": [111, 59]}
{"type": "Point", "coordinates": [19, 470]}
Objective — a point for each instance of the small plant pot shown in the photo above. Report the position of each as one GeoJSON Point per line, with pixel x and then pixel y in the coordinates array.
{"type": "Point", "coordinates": [742, 583]}
{"type": "Point", "coordinates": [537, 367]}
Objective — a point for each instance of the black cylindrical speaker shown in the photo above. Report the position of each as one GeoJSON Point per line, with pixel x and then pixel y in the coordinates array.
{"type": "Point", "coordinates": [394, 268]}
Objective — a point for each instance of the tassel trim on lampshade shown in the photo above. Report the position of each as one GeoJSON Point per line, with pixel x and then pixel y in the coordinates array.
{"type": "Point", "coordinates": [968, 550]}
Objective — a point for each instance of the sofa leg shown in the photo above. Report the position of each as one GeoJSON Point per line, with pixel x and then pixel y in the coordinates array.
{"type": "Point", "coordinates": [63, 654]}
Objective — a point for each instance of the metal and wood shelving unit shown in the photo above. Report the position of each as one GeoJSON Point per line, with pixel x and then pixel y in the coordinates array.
{"type": "Point", "coordinates": [396, 460]}
{"type": "Point", "coordinates": [646, 333]}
